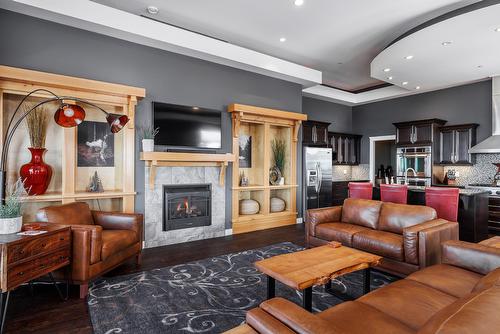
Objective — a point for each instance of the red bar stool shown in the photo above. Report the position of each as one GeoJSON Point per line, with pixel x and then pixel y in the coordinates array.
{"type": "Point", "coordinates": [394, 193]}
{"type": "Point", "coordinates": [444, 201]}
{"type": "Point", "coordinates": [363, 190]}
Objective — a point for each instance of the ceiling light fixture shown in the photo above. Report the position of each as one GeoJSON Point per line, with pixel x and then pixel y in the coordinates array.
{"type": "Point", "coordinates": [387, 69]}
{"type": "Point", "coordinates": [409, 57]}
{"type": "Point", "coordinates": [417, 88]}
{"type": "Point", "coordinates": [497, 30]}
{"type": "Point", "coordinates": [196, 108]}
{"type": "Point", "coordinates": [404, 83]}
{"type": "Point", "coordinates": [446, 43]}
{"type": "Point", "coordinates": [298, 2]}
{"type": "Point", "coordinates": [479, 66]}
{"type": "Point", "coordinates": [389, 78]}
{"type": "Point", "coordinates": [282, 39]}
{"type": "Point", "coordinates": [153, 10]}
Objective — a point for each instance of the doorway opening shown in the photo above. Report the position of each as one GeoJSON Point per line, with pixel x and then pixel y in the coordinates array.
{"type": "Point", "coordinates": [382, 158]}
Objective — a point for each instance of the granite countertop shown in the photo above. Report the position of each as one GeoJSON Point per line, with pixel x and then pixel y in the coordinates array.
{"type": "Point", "coordinates": [463, 191]}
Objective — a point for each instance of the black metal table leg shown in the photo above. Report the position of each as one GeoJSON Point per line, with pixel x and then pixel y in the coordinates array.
{"type": "Point", "coordinates": [59, 292]}
{"type": "Point", "coordinates": [307, 299]}
{"type": "Point", "coordinates": [271, 287]}
{"type": "Point", "coordinates": [366, 280]}
{"type": "Point", "coordinates": [3, 308]}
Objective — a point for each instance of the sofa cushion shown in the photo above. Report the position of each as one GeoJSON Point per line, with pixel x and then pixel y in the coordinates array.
{"type": "Point", "coordinates": [488, 281]}
{"type": "Point", "coordinates": [476, 313]}
{"type": "Point", "coordinates": [362, 212]}
{"type": "Point", "coordinates": [354, 317]}
{"type": "Point", "coordinates": [382, 243]}
{"type": "Point", "coordinates": [410, 302]}
{"type": "Point", "coordinates": [452, 280]}
{"type": "Point", "coordinates": [114, 241]}
{"type": "Point", "coordinates": [340, 232]}
{"type": "Point", "coordinates": [396, 217]}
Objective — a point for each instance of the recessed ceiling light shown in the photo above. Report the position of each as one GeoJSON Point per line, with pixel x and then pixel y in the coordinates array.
{"type": "Point", "coordinates": [387, 69]}
{"type": "Point", "coordinates": [409, 57]}
{"type": "Point", "coordinates": [340, 63]}
{"type": "Point", "coordinates": [446, 43]}
{"type": "Point", "coordinates": [389, 78]}
{"type": "Point", "coordinates": [417, 88]}
{"type": "Point", "coordinates": [196, 108]}
{"type": "Point", "coordinates": [497, 30]}
{"type": "Point", "coordinates": [282, 39]}
{"type": "Point", "coordinates": [479, 66]}
{"type": "Point", "coordinates": [298, 2]}
{"type": "Point", "coordinates": [153, 10]}
{"type": "Point", "coordinates": [404, 83]}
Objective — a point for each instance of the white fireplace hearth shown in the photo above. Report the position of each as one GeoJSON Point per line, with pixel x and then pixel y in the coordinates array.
{"type": "Point", "coordinates": [153, 209]}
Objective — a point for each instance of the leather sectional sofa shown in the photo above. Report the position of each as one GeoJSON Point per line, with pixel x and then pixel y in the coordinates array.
{"type": "Point", "coordinates": [408, 237]}
{"type": "Point", "coordinates": [461, 295]}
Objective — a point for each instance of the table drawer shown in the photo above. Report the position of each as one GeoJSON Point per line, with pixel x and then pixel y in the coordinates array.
{"type": "Point", "coordinates": [37, 267]}
{"type": "Point", "coordinates": [39, 245]}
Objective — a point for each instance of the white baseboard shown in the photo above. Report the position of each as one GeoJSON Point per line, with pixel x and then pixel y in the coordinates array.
{"type": "Point", "coordinates": [300, 220]}
{"type": "Point", "coordinates": [228, 231]}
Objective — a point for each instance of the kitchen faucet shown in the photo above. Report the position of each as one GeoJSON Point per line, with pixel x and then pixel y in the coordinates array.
{"type": "Point", "coordinates": [406, 174]}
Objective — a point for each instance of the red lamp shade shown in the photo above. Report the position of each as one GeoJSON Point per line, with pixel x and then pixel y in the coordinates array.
{"type": "Point", "coordinates": [116, 122]}
{"type": "Point", "coordinates": [69, 115]}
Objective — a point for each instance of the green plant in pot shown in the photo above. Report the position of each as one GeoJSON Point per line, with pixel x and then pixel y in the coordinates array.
{"type": "Point", "coordinates": [148, 134]}
{"type": "Point", "coordinates": [278, 147]}
{"type": "Point", "coordinates": [11, 215]}
{"type": "Point", "coordinates": [36, 174]}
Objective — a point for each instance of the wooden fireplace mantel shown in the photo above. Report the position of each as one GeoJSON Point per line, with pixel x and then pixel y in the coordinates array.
{"type": "Point", "coordinates": [174, 159]}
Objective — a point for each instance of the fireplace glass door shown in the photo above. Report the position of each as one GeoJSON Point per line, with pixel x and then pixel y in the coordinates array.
{"type": "Point", "coordinates": [186, 206]}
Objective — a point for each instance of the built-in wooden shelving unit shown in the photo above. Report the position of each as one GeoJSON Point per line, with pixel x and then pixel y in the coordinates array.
{"type": "Point", "coordinates": [69, 180]}
{"type": "Point", "coordinates": [177, 159]}
{"type": "Point", "coordinates": [264, 125]}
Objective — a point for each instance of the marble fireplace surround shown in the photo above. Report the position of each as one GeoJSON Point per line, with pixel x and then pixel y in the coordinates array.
{"type": "Point", "coordinates": [153, 210]}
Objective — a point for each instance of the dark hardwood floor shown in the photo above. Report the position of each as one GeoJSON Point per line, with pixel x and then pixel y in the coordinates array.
{"type": "Point", "coordinates": [44, 312]}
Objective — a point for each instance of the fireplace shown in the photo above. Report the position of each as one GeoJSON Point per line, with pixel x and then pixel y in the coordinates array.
{"type": "Point", "coordinates": [186, 206]}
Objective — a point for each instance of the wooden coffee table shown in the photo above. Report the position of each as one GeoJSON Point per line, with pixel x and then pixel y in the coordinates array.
{"type": "Point", "coordinates": [316, 266]}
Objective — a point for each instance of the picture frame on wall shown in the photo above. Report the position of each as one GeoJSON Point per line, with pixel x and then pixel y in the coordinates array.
{"type": "Point", "coordinates": [245, 154]}
{"type": "Point", "coordinates": [96, 145]}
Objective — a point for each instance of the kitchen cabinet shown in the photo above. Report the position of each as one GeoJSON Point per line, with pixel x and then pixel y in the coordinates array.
{"type": "Point", "coordinates": [415, 133]}
{"type": "Point", "coordinates": [455, 142]}
{"type": "Point", "coordinates": [345, 148]}
{"type": "Point", "coordinates": [315, 133]}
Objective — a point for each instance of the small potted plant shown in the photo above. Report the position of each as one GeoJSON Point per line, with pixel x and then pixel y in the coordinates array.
{"type": "Point", "coordinates": [278, 147]}
{"type": "Point", "coordinates": [148, 134]}
{"type": "Point", "coordinates": [11, 218]}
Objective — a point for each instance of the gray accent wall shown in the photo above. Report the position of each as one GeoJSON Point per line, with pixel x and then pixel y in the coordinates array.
{"type": "Point", "coordinates": [339, 115]}
{"type": "Point", "coordinates": [457, 105]}
{"type": "Point", "coordinates": [45, 46]}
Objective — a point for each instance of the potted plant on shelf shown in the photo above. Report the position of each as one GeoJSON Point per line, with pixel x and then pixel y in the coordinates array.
{"type": "Point", "coordinates": [11, 219]}
{"type": "Point", "coordinates": [278, 147]}
{"type": "Point", "coordinates": [148, 134]}
{"type": "Point", "coordinates": [36, 174]}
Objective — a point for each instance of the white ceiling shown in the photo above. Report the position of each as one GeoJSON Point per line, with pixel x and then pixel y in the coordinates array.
{"type": "Point", "coordinates": [473, 54]}
{"type": "Point", "coordinates": [339, 38]}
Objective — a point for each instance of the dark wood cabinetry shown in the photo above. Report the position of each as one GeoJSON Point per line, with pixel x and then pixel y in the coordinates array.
{"type": "Point", "coordinates": [417, 133]}
{"type": "Point", "coordinates": [315, 133]}
{"type": "Point", "coordinates": [455, 142]}
{"type": "Point", "coordinates": [345, 148]}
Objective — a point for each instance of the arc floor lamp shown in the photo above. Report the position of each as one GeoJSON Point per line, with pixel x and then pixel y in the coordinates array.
{"type": "Point", "coordinates": [67, 115]}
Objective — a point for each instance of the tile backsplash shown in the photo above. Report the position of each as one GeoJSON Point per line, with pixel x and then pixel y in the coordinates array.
{"type": "Point", "coordinates": [347, 173]}
{"type": "Point", "coordinates": [482, 171]}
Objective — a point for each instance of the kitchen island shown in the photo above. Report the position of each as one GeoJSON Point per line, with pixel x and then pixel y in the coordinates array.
{"type": "Point", "coordinates": [472, 210]}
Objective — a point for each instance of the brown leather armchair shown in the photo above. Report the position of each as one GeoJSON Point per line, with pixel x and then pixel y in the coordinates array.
{"type": "Point", "coordinates": [101, 240]}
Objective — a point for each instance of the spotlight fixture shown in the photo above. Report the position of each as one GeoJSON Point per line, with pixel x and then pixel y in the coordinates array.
{"type": "Point", "coordinates": [479, 66]}
{"type": "Point", "coordinates": [409, 57]}
{"type": "Point", "coordinates": [389, 78]}
{"type": "Point", "coordinates": [282, 39]}
{"type": "Point", "coordinates": [387, 69]}
{"type": "Point", "coordinates": [152, 10]}
{"type": "Point", "coordinates": [417, 88]}
{"type": "Point", "coordinates": [497, 30]}
{"type": "Point", "coordinates": [298, 3]}
{"type": "Point", "coordinates": [446, 43]}
{"type": "Point", "coordinates": [404, 83]}
{"type": "Point", "coordinates": [196, 108]}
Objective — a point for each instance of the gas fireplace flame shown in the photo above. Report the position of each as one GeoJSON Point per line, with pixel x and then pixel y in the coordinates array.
{"type": "Point", "coordinates": [183, 206]}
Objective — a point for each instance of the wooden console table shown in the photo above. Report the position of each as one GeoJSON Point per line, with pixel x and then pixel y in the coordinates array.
{"type": "Point", "coordinates": [28, 257]}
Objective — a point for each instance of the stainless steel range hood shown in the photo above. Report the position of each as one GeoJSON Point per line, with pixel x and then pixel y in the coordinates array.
{"type": "Point", "coordinates": [492, 144]}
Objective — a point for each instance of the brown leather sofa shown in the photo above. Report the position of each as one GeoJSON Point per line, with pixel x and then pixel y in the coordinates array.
{"type": "Point", "coordinates": [407, 236]}
{"type": "Point", "coordinates": [101, 240]}
{"type": "Point", "coordinates": [461, 295]}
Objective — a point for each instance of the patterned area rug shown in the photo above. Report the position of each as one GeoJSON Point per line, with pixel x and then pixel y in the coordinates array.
{"type": "Point", "coordinates": [207, 296]}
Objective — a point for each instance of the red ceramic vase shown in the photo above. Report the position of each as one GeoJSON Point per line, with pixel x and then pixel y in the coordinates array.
{"type": "Point", "coordinates": [36, 174]}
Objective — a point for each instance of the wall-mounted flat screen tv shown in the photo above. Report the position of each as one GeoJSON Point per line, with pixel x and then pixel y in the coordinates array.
{"type": "Point", "coordinates": [187, 126]}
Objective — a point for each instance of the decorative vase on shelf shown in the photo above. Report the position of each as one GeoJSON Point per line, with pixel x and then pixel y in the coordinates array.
{"type": "Point", "coordinates": [36, 174]}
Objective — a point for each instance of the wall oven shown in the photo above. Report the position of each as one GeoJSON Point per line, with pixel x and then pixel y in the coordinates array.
{"type": "Point", "coordinates": [416, 163]}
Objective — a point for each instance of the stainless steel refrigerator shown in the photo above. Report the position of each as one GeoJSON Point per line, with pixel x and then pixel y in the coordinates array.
{"type": "Point", "coordinates": [318, 177]}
